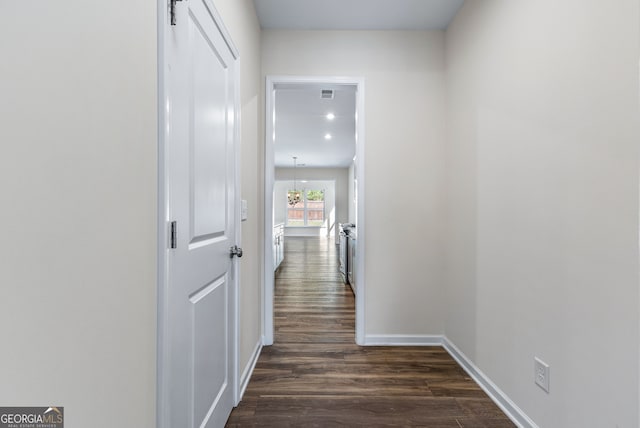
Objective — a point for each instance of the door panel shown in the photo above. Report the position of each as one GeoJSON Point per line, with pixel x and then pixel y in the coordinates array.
{"type": "Point", "coordinates": [210, 75]}
{"type": "Point", "coordinates": [209, 342]}
{"type": "Point", "coordinates": [201, 281]}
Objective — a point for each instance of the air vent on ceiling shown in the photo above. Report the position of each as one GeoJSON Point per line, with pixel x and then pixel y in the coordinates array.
{"type": "Point", "coordinates": [327, 94]}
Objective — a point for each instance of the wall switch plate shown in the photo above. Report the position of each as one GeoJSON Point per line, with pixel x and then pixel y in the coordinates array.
{"type": "Point", "coordinates": [541, 373]}
{"type": "Point", "coordinates": [243, 210]}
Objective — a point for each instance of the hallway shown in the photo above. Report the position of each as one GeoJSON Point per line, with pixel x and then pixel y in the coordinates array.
{"type": "Point", "coordinates": [315, 374]}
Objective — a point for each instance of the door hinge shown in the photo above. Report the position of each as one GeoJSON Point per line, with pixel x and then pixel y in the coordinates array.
{"type": "Point", "coordinates": [173, 239]}
{"type": "Point", "coordinates": [172, 11]}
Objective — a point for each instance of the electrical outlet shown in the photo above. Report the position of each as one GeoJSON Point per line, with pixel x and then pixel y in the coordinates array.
{"type": "Point", "coordinates": [541, 373]}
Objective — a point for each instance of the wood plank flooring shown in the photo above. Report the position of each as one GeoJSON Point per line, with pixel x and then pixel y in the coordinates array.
{"type": "Point", "coordinates": [315, 376]}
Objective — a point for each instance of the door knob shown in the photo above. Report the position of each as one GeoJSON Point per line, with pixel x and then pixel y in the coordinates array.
{"type": "Point", "coordinates": [235, 251]}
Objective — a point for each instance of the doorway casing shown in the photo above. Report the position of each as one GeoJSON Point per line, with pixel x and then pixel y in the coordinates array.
{"type": "Point", "coordinates": [269, 181]}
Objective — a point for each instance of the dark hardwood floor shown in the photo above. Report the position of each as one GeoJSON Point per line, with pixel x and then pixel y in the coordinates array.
{"type": "Point", "coordinates": [316, 376]}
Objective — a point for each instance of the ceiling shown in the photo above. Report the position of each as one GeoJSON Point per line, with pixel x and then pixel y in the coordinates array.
{"type": "Point", "coordinates": [300, 123]}
{"type": "Point", "coordinates": [356, 14]}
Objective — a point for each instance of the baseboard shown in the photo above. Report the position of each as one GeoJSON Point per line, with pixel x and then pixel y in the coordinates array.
{"type": "Point", "coordinates": [514, 413]}
{"type": "Point", "coordinates": [248, 370]}
{"type": "Point", "coordinates": [403, 340]}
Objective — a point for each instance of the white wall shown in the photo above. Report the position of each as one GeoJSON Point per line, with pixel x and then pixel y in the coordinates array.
{"type": "Point", "coordinates": [336, 202]}
{"type": "Point", "coordinates": [404, 90]}
{"type": "Point", "coordinates": [78, 182]}
{"type": "Point", "coordinates": [542, 188]}
{"type": "Point", "coordinates": [241, 21]}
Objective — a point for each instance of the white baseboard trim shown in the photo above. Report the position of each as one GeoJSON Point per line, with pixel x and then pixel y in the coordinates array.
{"type": "Point", "coordinates": [514, 413]}
{"type": "Point", "coordinates": [248, 370]}
{"type": "Point", "coordinates": [403, 340]}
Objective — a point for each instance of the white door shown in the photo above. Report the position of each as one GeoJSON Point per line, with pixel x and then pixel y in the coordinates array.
{"type": "Point", "coordinates": [199, 331]}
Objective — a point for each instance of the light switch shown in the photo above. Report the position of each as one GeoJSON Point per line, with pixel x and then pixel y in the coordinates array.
{"type": "Point", "coordinates": [243, 210]}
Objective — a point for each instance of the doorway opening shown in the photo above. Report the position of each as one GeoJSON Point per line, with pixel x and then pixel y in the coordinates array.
{"type": "Point", "coordinates": [278, 153]}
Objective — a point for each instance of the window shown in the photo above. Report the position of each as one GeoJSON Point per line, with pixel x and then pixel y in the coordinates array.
{"type": "Point", "coordinates": [309, 211]}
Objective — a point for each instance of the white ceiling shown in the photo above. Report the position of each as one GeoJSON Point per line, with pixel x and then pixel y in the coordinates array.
{"type": "Point", "coordinates": [300, 123]}
{"type": "Point", "coordinates": [356, 14]}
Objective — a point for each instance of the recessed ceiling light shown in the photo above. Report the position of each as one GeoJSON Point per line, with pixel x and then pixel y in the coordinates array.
{"type": "Point", "coordinates": [331, 116]}
{"type": "Point", "coordinates": [327, 136]}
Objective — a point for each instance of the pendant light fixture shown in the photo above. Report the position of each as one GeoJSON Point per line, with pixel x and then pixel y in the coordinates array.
{"type": "Point", "coordinates": [293, 196]}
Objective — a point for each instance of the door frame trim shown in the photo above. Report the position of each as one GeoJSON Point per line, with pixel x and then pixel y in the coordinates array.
{"type": "Point", "coordinates": [269, 181]}
{"type": "Point", "coordinates": [163, 103]}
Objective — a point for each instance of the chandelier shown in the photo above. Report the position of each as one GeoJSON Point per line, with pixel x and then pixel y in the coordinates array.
{"type": "Point", "coordinates": [294, 195]}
